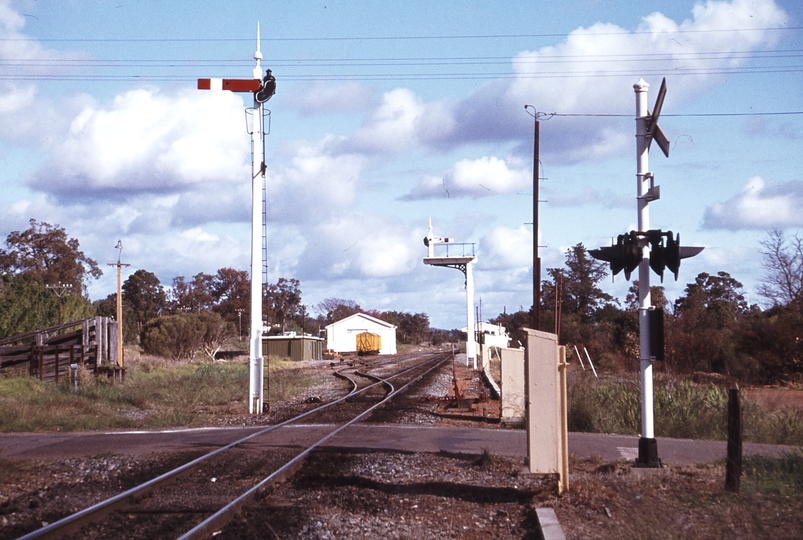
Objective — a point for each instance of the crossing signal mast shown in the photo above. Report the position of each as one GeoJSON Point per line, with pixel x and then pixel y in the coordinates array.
{"type": "Point", "coordinates": [644, 249]}
{"type": "Point", "coordinates": [263, 88]}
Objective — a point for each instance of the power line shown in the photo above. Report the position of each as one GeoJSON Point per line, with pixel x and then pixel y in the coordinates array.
{"type": "Point", "coordinates": [410, 61]}
{"type": "Point", "coordinates": [393, 38]}
{"type": "Point", "coordinates": [686, 115]}
{"type": "Point", "coordinates": [437, 76]}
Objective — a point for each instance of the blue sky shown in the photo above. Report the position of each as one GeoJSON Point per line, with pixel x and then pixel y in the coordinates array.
{"type": "Point", "coordinates": [387, 114]}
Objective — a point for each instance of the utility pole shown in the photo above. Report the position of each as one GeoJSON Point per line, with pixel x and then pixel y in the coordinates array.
{"type": "Point", "coordinates": [119, 266]}
{"type": "Point", "coordinates": [535, 319]}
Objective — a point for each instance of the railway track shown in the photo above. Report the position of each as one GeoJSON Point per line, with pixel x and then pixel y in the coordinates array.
{"type": "Point", "coordinates": [199, 497]}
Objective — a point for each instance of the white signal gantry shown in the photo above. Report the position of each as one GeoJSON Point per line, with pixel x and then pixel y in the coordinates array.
{"type": "Point", "coordinates": [463, 263]}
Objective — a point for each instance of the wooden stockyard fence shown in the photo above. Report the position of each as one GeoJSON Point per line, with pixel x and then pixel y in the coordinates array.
{"type": "Point", "coordinates": [48, 353]}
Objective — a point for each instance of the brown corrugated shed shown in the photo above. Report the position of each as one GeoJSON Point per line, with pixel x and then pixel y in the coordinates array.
{"type": "Point", "coordinates": [296, 348]}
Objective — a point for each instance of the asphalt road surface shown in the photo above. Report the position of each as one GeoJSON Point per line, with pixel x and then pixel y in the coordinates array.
{"type": "Point", "coordinates": [458, 440]}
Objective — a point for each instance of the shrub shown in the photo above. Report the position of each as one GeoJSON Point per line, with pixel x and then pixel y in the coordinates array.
{"type": "Point", "coordinates": [175, 336]}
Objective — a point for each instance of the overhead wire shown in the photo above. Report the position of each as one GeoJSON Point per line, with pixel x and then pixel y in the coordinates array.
{"type": "Point", "coordinates": [441, 76]}
{"type": "Point", "coordinates": [524, 65]}
{"type": "Point", "coordinates": [401, 38]}
{"type": "Point", "coordinates": [410, 60]}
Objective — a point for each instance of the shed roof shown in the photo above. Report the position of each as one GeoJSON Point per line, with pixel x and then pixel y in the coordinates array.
{"type": "Point", "coordinates": [363, 316]}
{"type": "Point", "coordinates": [292, 337]}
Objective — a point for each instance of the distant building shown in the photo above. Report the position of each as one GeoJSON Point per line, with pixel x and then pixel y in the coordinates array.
{"type": "Point", "coordinates": [493, 335]}
{"type": "Point", "coordinates": [341, 336]}
{"type": "Point", "coordinates": [296, 348]}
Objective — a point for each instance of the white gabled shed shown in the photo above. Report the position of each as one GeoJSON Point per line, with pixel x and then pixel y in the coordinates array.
{"type": "Point", "coordinates": [341, 336]}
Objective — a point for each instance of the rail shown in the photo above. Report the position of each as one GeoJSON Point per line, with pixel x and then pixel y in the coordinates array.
{"type": "Point", "coordinates": [73, 522]}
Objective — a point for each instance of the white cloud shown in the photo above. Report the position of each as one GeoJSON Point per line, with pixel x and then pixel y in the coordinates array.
{"type": "Point", "coordinates": [15, 97]}
{"type": "Point", "coordinates": [315, 184]}
{"type": "Point", "coordinates": [593, 71]}
{"type": "Point", "coordinates": [360, 245]}
{"type": "Point", "coordinates": [149, 141]}
{"type": "Point", "coordinates": [481, 177]}
{"type": "Point", "coordinates": [758, 207]}
{"type": "Point", "coordinates": [391, 127]}
{"type": "Point", "coordinates": [24, 59]}
{"type": "Point", "coordinates": [503, 248]}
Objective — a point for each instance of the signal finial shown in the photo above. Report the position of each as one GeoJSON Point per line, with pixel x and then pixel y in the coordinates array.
{"type": "Point", "coordinates": [258, 57]}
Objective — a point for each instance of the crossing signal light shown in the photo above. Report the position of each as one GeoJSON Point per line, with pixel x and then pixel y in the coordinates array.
{"type": "Point", "coordinates": [665, 252]}
{"type": "Point", "coordinates": [659, 252]}
{"type": "Point", "coordinates": [668, 254]}
{"type": "Point", "coordinates": [672, 254]}
{"type": "Point", "coordinates": [624, 255]}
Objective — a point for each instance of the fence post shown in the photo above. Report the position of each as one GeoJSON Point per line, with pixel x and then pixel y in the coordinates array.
{"type": "Point", "coordinates": [733, 469]}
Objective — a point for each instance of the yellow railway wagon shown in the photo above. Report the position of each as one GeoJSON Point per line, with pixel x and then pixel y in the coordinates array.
{"type": "Point", "coordinates": [368, 343]}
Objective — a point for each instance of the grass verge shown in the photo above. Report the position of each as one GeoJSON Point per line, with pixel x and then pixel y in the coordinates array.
{"type": "Point", "coordinates": [155, 394]}
{"type": "Point", "coordinates": [682, 410]}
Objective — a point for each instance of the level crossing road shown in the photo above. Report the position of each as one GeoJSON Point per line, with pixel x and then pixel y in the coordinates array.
{"type": "Point", "coordinates": [365, 437]}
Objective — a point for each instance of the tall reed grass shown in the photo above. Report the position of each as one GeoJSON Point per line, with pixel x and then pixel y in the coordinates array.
{"type": "Point", "coordinates": [682, 409]}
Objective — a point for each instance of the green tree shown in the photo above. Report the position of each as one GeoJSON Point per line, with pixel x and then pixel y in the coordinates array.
{"type": "Point", "coordinates": [231, 291]}
{"type": "Point", "coordinates": [410, 328]}
{"type": "Point", "coordinates": [143, 299]}
{"type": "Point", "coordinates": [707, 319]}
{"type": "Point", "coordinates": [657, 297]}
{"type": "Point", "coordinates": [25, 305]}
{"type": "Point", "coordinates": [771, 347]}
{"type": "Point", "coordinates": [178, 337]}
{"type": "Point", "coordinates": [46, 254]}
{"type": "Point", "coordinates": [282, 301]}
{"type": "Point", "coordinates": [575, 291]}
{"type": "Point", "coordinates": [513, 322]}
{"type": "Point", "coordinates": [581, 294]}
{"type": "Point", "coordinates": [192, 297]}
{"type": "Point", "coordinates": [335, 309]}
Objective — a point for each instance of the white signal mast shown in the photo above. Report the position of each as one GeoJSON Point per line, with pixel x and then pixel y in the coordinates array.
{"type": "Point", "coordinates": [263, 89]}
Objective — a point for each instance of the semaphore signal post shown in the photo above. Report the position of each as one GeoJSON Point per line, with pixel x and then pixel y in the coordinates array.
{"type": "Point", "coordinates": [263, 89]}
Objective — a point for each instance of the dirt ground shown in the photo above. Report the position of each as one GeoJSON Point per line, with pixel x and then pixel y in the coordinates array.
{"type": "Point", "coordinates": [407, 496]}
